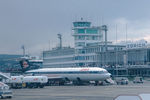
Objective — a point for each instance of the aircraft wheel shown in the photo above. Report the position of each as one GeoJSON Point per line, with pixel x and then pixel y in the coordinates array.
{"type": "Point", "coordinates": [41, 86]}
{"type": "Point", "coordinates": [2, 97]}
{"type": "Point", "coordinates": [9, 96]}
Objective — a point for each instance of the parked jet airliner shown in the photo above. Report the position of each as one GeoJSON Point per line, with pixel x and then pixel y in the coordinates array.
{"type": "Point", "coordinates": [69, 74]}
{"type": "Point", "coordinates": [73, 74]}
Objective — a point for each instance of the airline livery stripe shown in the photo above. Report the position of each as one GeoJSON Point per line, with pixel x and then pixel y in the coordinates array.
{"type": "Point", "coordinates": [73, 72]}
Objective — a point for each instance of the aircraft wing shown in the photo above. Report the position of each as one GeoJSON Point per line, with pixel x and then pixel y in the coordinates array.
{"type": "Point", "coordinates": [54, 77]}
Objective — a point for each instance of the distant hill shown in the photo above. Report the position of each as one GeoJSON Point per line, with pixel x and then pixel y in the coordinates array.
{"type": "Point", "coordinates": [8, 61]}
{"type": "Point", "coordinates": [8, 56]}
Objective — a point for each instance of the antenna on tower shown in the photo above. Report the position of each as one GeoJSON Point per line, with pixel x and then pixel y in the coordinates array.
{"type": "Point", "coordinates": [126, 34]}
{"type": "Point", "coordinates": [23, 48]}
{"type": "Point", "coordinates": [60, 40]}
{"type": "Point", "coordinates": [116, 51]}
{"type": "Point", "coordinates": [102, 20]}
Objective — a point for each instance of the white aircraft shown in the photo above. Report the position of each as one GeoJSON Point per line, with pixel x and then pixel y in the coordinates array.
{"type": "Point", "coordinates": [73, 74]}
{"type": "Point", "coordinates": [78, 74]}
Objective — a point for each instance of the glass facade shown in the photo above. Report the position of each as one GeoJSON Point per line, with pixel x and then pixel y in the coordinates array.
{"type": "Point", "coordinates": [80, 44]}
{"type": "Point", "coordinates": [79, 58]}
{"type": "Point", "coordinates": [81, 24]}
{"type": "Point", "coordinates": [81, 30]}
{"type": "Point", "coordinates": [81, 51]}
{"type": "Point", "coordinates": [121, 57]}
{"type": "Point", "coordinates": [79, 37]}
{"type": "Point", "coordinates": [85, 34]}
{"type": "Point", "coordinates": [92, 38]}
{"type": "Point", "coordinates": [57, 57]}
{"type": "Point", "coordinates": [92, 31]}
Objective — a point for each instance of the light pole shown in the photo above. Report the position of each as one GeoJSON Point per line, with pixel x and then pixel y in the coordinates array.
{"type": "Point", "coordinates": [105, 29]}
{"type": "Point", "coordinates": [60, 40]}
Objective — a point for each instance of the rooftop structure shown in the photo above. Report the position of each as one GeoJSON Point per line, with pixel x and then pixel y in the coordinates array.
{"type": "Point", "coordinates": [59, 57]}
{"type": "Point", "coordinates": [88, 41]}
{"type": "Point", "coordinates": [84, 35]}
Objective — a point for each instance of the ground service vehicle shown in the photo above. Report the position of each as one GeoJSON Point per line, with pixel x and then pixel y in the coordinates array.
{"type": "Point", "coordinates": [138, 80]}
{"type": "Point", "coordinates": [5, 91]}
{"type": "Point", "coordinates": [34, 81]}
{"type": "Point", "coordinates": [28, 81]}
{"type": "Point", "coordinates": [16, 81]}
{"type": "Point", "coordinates": [121, 81]}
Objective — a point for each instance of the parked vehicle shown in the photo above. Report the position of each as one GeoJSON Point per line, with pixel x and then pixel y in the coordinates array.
{"type": "Point", "coordinates": [35, 81]}
{"type": "Point", "coordinates": [5, 91]}
{"type": "Point", "coordinates": [138, 80]}
{"type": "Point", "coordinates": [28, 81]}
{"type": "Point", "coordinates": [16, 81]}
{"type": "Point", "coordinates": [121, 81]}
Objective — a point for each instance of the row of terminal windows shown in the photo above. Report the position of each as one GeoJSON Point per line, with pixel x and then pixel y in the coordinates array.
{"type": "Point", "coordinates": [88, 31]}
{"type": "Point", "coordinates": [81, 24]}
{"type": "Point", "coordinates": [80, 44]}
{"type": "Point", "coordinates": [80, 51]}
{"type": "Point", "coordinates": [92, 31]}
{"type": "Point", "coordinates": [92, 38]}
{"type": "Point", "coordinates": [87, 37]}
{"type": "Point", "coordinates": [132, 57]}
{"type": "Point", "coordinates": [79, 58]}
{"type": "Point", "coordinates": [91, 50]}
{"type": "Point", "coordinates": [58, 53]}
{"type": "Point", "coordinates": [79, 37]}
{"type": "Point", "coordinates": [58, 60]}
{"type": "Point", "coordinates": [59, 65]}
{"type": "Point", "coordinates": [86, 57]}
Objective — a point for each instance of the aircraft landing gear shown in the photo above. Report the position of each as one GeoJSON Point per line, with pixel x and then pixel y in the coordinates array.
{"type": "Point", "coordinates": [96, 83]}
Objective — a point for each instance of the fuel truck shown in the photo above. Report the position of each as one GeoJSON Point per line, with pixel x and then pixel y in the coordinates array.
{"type": "Point", "coordinates": [27, 81]}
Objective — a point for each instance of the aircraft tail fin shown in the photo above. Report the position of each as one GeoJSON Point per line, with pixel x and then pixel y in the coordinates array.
{"type": "Point", "coordinates": [25, 65]}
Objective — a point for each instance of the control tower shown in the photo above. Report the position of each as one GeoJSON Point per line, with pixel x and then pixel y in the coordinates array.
{"type": "Point", "coordinates": [85, 35]}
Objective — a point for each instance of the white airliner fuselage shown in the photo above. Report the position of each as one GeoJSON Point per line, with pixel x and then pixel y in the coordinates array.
{"type": "Point", "coordinates": [73, 74]}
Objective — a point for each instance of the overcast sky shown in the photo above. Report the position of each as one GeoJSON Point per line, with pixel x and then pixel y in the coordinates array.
{"type": "Point", "coordinates": [36, 23]}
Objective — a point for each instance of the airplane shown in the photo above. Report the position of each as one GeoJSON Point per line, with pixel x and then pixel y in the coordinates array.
{"type": "Point", "coordinates": [80, 74]}
{"type": "Point", "coordinates": [75, 74]}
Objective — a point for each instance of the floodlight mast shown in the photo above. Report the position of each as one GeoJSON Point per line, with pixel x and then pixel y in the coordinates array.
{"type": "Point", "coordinates": [60, 40]}
{"type": "Point", "coordinates": [23, 48]}
{"type": "Point", "coordinates": [105, 29]}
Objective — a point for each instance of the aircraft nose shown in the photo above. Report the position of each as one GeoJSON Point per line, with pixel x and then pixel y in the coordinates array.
{"type": "Point", "coordinates": [108, 75]}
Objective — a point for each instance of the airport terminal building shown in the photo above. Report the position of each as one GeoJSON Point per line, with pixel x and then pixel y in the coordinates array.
{"type": "Point", "coordinates": [59, 57]}
{"type": "Point", "coordinates": [84, 35]}
{"type": "Point", "coordinates": [129, 62]}
{"type": "Point", "coordinates": [88, 41]}
{"type": "Point", "coordinates": [92, 49]}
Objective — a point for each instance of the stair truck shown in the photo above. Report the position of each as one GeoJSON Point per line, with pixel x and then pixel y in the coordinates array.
{"type": "Point", "coordinates": [5, 91]}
